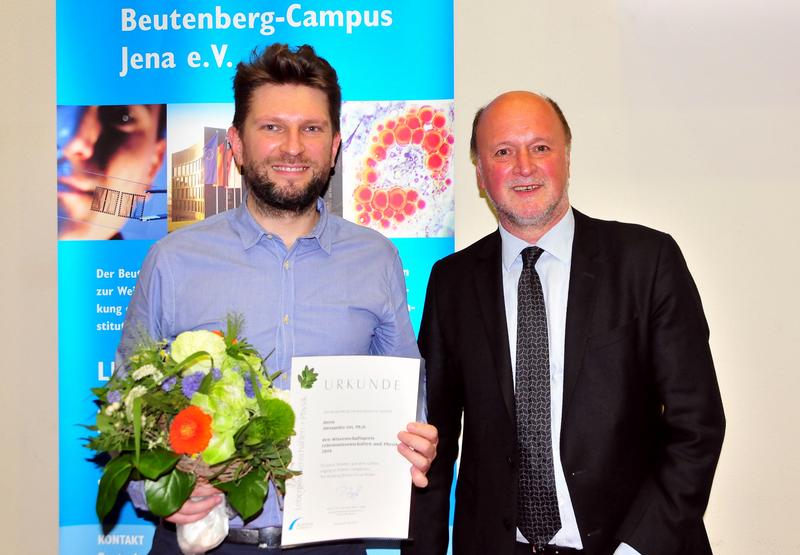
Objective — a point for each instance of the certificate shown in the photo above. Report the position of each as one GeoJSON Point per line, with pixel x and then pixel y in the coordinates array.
{"type": "Point", "coordinates": [354, 483]}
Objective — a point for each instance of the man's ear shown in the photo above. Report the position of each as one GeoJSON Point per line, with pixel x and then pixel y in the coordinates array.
{"type": "Point", "coordinates": [337, 141]}
{"type": "Point", "coordinates": [479, 178]}
{"type": "Point", "coordinates": [236, 145]}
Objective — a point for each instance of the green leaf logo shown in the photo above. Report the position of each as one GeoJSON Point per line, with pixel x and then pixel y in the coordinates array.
{"type": "Point", "coordinates": [307, 378]}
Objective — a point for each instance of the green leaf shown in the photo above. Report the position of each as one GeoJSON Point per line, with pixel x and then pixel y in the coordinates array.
{"type": "Point", "coordinates": [105, 423]}
{"type": "Point", "coordinates": [167, 494]}
{"type": "Point", "coordinates": [161, 401]}
{"type": "Point", "coordinates": [189, 361]}
{"type": "Point", "coordinates": [256, 387]}
{"type": "Point", "coordinates": [137, 429]}
{"type": "Point", "coordinates": [307, 378]}
{"type": "Point", "coordinates": [115, 475]}
{"type": "Point", "coordinates": [155, 463]}
{"type": "Point", "coordinates": [280, 485]}
{"type": "Point", "coordinates": [248, 495]}
{"type": "Point", "coordinates": [286, 455]}
{"type": "Point", "coordinates": [205, 385]}
{"type": "Point", "coordinates": [234, 327]}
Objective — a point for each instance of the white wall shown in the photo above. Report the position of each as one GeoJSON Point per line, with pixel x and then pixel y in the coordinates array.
{"type": "Point", "coordinates": [684, 116]}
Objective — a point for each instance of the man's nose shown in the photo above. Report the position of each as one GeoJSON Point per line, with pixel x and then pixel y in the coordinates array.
{"type": "Point", "coordinates": [293, 142]}
{"type": "Point", "coordinates": [523, 162]}
{"type": "Point", "coordinates": [81, 146]}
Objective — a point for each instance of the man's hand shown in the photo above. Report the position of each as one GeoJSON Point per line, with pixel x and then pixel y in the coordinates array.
{"type": "Point", "coordinates": [418, 444]}
{"type": "Point", "coordinates": [204, 498]}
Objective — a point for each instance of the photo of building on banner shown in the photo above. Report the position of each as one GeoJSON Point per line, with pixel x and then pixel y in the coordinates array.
{"type": "Point", "coordinates": [204, 179]}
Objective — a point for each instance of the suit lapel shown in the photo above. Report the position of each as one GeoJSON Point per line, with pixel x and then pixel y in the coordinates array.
{"type": "Point", "coordinates": [489, 292]}
{"type": "Point", "coordinates": [580, 303]}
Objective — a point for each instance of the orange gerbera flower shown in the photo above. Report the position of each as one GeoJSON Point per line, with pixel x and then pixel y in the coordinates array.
{"type": "Point", "coordinates": [190, 431]}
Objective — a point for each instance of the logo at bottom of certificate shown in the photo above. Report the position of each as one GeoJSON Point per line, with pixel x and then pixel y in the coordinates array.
{"type": "Point", "coordinates": [297, 525]}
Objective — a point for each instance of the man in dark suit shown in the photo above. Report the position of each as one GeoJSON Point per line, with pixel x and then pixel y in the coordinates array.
{"type": "Point", "coordinates": [622, 443]}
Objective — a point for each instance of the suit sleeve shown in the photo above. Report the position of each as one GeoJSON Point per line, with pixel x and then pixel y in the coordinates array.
{"type": "Point", "coordinates": [666, 514]}
{"type": "Point", "coordinates": [430, 506]}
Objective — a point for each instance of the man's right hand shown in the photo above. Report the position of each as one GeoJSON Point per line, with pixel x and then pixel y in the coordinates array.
{"type": "Point", "coordinates": [204, 498]}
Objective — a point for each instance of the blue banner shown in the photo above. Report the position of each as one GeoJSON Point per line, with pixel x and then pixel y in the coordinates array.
{"type": "Point", "coordinates": [144, 99]}
{"type": "Point", "coordinates": [170, 52]}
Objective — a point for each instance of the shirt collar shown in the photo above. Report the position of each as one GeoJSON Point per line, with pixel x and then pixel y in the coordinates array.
{"type": "Point", "coordinates": [557, 242]}
{"type": "Point", "coordinates": [250, 232]}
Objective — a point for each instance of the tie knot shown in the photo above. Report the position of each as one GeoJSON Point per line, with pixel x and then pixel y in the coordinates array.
{"type": "Point", "coordinates": [529, 256]}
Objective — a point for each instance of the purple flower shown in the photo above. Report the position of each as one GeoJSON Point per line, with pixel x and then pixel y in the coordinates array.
{"type": "Point", "coordinates": [248, 388]}
{"type": "Point", "coordinates": [191, 384]}
{"type": "Point", "coordinates": [169, 383]}
{"type": "Point", "coordinates": [217, 373]}
{"type": "Point", "coordinates": [114, 396]}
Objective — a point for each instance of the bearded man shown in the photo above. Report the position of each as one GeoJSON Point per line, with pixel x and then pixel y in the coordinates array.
{"type": "Point", "coordinates": [307, 282]}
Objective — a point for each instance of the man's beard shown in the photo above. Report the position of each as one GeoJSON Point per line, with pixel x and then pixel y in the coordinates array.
{"type": "Point", "coordinates": [536, 221]}
{"type": "Point", "coordinates": [269, 199]}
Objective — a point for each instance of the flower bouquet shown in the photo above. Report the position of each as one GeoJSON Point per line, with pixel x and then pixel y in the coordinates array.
{"type": "Point", "coordinates": [201, 408]}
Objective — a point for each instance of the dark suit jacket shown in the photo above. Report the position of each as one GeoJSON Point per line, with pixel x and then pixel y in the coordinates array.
{"type": "Point", "coordinates": [642, 422]}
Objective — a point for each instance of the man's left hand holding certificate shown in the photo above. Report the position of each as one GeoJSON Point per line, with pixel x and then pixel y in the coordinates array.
{"type": "Point", "coordinates": [353, 482]}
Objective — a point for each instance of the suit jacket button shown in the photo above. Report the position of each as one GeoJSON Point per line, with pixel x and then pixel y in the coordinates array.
{"type": "Point", "coordinates": [507, 524]}
{"type": "Point", "coordinates": [509, 461]}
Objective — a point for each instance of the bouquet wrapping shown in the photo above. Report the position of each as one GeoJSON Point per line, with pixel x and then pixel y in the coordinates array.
{"type": "Point", "coordinates": [198, 537]}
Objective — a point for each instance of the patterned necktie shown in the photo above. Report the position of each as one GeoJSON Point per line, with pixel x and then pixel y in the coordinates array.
{"type": "Point", "coordinates": [537, 506]}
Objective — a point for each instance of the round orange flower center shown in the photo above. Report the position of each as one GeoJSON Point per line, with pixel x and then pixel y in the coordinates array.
{"type": "Point", "coordinates": [190, 431]}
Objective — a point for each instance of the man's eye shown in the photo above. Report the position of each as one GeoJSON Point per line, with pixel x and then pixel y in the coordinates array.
{"type": "Point", "coordinates": [541, 148]}
{"type": "Point", "coordinates": [269, 127]}
{"type": "Point", "coordinates": [501, 152]}
{"type": "Point", "coordinates": [117, 117]}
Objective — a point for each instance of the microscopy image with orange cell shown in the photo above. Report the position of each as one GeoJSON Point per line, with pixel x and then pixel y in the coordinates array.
{"type": "Point", "coordinates": [397, 160]}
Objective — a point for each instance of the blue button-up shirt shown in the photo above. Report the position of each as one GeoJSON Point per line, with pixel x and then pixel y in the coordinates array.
{"type": "Point", "coordinates": [340, 290]}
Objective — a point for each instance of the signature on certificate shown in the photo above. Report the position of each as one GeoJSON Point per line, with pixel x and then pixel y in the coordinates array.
{"type": "Point", "coordinates": [349, 491]}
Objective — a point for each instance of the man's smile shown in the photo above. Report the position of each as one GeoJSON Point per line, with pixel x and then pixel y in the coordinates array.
{"type": "Point", "coordinates": [289, 169]}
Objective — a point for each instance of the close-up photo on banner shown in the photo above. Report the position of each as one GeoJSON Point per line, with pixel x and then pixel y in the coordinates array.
{"type": "Point", "coordinates": [144, 103]}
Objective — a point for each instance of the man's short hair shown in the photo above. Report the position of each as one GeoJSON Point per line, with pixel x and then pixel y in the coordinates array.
{"type": "Point", "coordinates": [279, 65]}
{"type": "Point", "coordinates": [473, 140]}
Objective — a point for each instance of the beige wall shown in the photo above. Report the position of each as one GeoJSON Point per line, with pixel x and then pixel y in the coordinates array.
{"type": "Point", "coordinates": [28, 399]}
{"type": "Point", "coordinates": [684, 115]}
